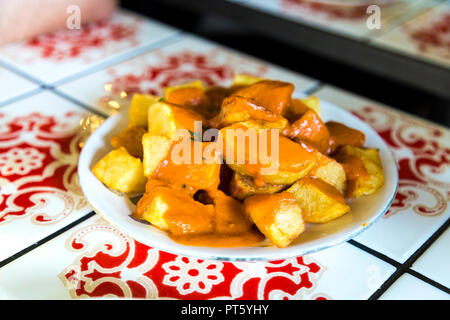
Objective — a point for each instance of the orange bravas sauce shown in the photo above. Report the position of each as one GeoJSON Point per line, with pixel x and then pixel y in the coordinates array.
{"type": "Point", "coordinates": [197, 207]}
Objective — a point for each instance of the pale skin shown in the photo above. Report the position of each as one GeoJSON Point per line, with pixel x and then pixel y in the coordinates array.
{"type": "Point", "coordinates": [22, 19]}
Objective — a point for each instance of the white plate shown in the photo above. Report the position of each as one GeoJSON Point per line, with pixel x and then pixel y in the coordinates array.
{"type": "Point", "coordinates": [116, 209]}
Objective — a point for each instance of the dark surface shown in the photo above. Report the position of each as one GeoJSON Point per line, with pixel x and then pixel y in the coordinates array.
{"type": "Point", "coordinates": [235, 35]}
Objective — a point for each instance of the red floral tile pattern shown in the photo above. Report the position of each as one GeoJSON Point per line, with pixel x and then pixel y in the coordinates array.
{"type": "Point", "coordinates": [38, 161]}
{"type": "Point", "coordinates": [69, 44]}
{"type": "Point", "coordinates": [107, 268]}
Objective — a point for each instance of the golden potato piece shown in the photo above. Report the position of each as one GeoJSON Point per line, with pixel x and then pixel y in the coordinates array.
{"type": "Point", "coordinates": [230, 216]}
{"type": "Point", "coordinates": [284, 161]}
{"type": "Point", "coordinates": [280, 124]}
{"type": "Point", "coordinates": [245, 80]}
{"type": "Point", "coordinates": [190, 174]}
{"type": "Point", "coordinates": [121, 171]}
{"type": "Point", "coordinates": [319, 201]}
{"type": "Point", "coordinates": [242, 187]}
{"type": "Point", "coordinates": [238, 109]}
{"type": "Point", "coordinates": [131, 139]}
{"type": "Point", "coordinates": [298, 107]}
{"type": "Point", "coordinates": [272, 95]}
{"type": "Point", "coordinates": [277, 216]}
{"type": "Point", "coordinates": [363, 168]}
{"type": "Point", "coordinates": [139, 109]}
{"type": "Point", "coordinates": [164, 119]}
{"type": "Point", "coordinates": [175, 211]}
{"type": "Point", "coordinates": [155, 150]}
{"type": "Point", "coordinates": [313, 103]}
{"type": "Point", "coordinates": [330, 171]}
{"type": "Point", "coordinates": [195, 84]}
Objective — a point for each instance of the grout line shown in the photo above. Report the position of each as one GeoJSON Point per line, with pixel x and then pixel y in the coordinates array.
{"type": "Point", "coordinates": [20, 72]}
{"type": "Point", "coordinates": [46, 239]}
{"type": "Point", "coordinates": [22, 96]}
{"type": "Point", "coordinates": [428, 280]}
{"type": "Point", "coordinates": [405, 267]}
{"type": "Point", "coordinates": [177, 36]}
{"type": "Point", "coordinates": [375, 253]}
{"type": "Point", "coordinates": [413, 258]}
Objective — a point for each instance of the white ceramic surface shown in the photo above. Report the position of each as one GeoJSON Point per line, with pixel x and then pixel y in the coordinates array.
{"type": "Point", "coordinates": [116, 209]}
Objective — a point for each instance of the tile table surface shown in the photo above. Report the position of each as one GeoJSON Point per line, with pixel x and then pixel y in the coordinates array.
{"type": "Point", "coordinates": [54, 246]}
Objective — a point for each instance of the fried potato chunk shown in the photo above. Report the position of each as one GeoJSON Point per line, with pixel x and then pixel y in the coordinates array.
{"type": "Point", "coordinates": [189, 173]}
{"type": "Point", "coordinates": [277, 216]}
{"type": "Point", "coordinates": [271, 95]}
{"type": "Point", "coordinates": [242, 187]}
{"type": "Point", "coordinates": [140, 103]}
{"type": "Point", "coordinates": [192, 96]}
{"type": "Point", "coordinates": [175, 211]}
{"type": "Point", "coordinates": [164, 119]}
{"type": "Point", "coordinates": [310, 128]}
{"type": "Point", "coordinates": [319, 201]}
{"type": "Point", "coordinates": [363, 168]}
{"type": "Point", "coordinates": [283, 162]}
{"type": "Point", "coordinates": [195, 84]}
{"type": "Point", "coordinates": [155, 149]}
{"type": "Point", "coordinates": [330, 171]}
{"type": "Point", "coordinates": [121, 171]}
{"type": "Point", "coordinates": [343, 135]}
{"type": "Point", "coordinates": [298, 107]}
{"type": "Point", "coordinates": [230, 216]}
{"type": "Point", "coordinates": [131, 139]}
{"type": "Point", "coordinates": [245, 80]}
{"type": "Point", "coordinates": [238, 109]}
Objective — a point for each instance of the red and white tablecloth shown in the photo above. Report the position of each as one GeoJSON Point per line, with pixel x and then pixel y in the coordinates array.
{"type": "Point", "coordinates": [54, 246]}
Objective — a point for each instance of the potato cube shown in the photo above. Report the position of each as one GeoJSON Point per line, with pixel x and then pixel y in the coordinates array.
{"type": "Point", "coordinates": [298, 107]}
{"type": "Point", "coordinates": [139, 109]}
{"type": "Point", "coordinates": [313, 103]}
{"type": "Point", "coordinates": [242, 187]}
{"type": "Point", "coordinates": [319, 201]}
{"type": "Point", "coordinates": [343, 135]}
{"type": "Point", "coordinates": [195, 84]}
{"type": "Point", "coordinates": [155, 149]}
{"type": "Point", "coordinates": [245, 80]}
{"type": "Point", "coordinates": [311, 129]}
{"type": "Point", "coordinates": [164, 119]}
{"type": "Point", "coordinates": [230, 216]}
{"type": "Point", "coordinates": [121, 171]}
{"type": "Point", "coordinates": [271, 95]}
{"type": "Point", "coordinates": [189, 173]}
{"type": "Point", "coordinates": [277, 216]}
{"type": "Point", "coordinates": [330, 171]}
{"type": "Point", "coordinates": [363, 168]}
{"type": "Point", "coordinates": [131, 139]}
{"type": "Point", "coordinates": [284, 161]}
{"type": "Point", "coordinates": [175, 211]}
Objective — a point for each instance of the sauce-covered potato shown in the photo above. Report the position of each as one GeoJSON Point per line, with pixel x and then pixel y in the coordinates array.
{"type": "Point", "coordinates": [239, 165]}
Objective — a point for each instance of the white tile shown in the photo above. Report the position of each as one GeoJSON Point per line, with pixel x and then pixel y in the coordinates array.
{"type": "Point", "coordinates": [61, 54]}
{"type": "Point", "coordinates": [96, 260]}
{"type": "Point", "coordinates": [39, 190]}
{"type": "Point", "coordinates": [435, 262]}
{"type": "Point", "coordinates": [424, 37]}
{"type": "Point", "coordinates": [408, 287]}
{"type": "Point", "coordinates": [421, 149]}
{"type": "Point", "coordinates": [186, 60]}
{"type": "Point", "coordinates": [12, 85]}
